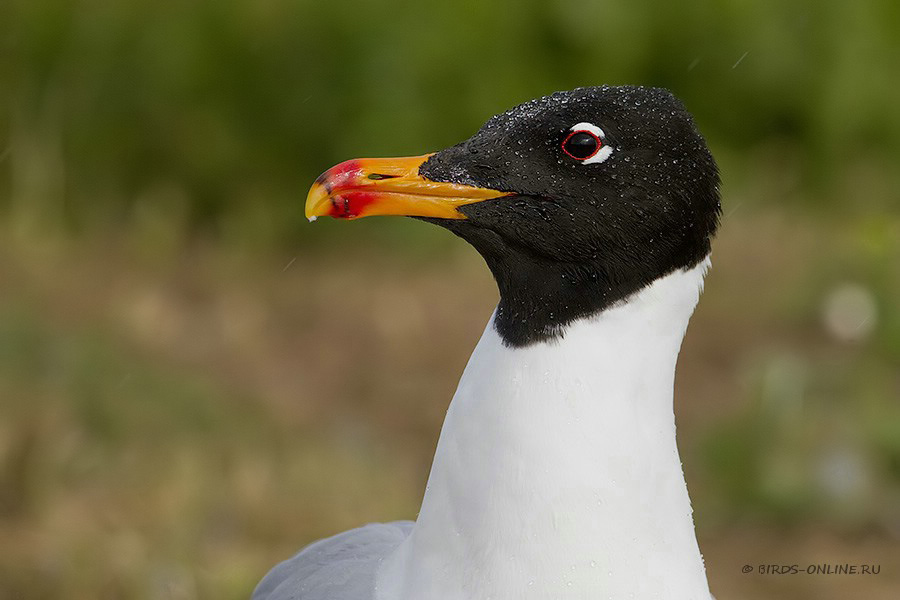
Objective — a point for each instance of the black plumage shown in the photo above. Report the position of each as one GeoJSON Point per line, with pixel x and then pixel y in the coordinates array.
{"type": "Point", "coordinates": [576, 238]}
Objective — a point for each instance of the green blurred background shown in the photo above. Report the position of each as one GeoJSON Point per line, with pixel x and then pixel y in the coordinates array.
{"type": "Point", "coordinates": [194, 382]}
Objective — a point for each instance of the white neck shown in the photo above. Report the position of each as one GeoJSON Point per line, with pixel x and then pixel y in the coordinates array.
{"type": "Point", "coordinates": [557, 474]}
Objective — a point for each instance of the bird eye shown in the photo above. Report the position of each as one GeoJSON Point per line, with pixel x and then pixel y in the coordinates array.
{"type": "Point", "coordinates": [587, 144]}
{"type": "Point", "coordinates": [582, 144]}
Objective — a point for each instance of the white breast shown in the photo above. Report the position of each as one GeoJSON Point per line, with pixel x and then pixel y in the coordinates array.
{"type": "Point", "coordinates": [557, 474]}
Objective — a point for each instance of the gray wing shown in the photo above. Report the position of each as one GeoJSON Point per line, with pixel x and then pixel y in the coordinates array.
{"type": "Point", "coordinates": [341, 567]}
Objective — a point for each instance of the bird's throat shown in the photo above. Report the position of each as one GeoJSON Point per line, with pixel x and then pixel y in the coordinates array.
{"type": "Point", "coordinates": [541, 294]}
{"type": "Point", "coordinates": [557, 474]}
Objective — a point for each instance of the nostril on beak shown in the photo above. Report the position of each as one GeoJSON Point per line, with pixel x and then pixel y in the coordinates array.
{"type": "Point", "coordinates": [377, 176]}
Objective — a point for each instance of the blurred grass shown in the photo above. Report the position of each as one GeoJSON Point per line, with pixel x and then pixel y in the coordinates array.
{"type": "Point", "coordinates": [173, 428]}
{"type": "Point", "coordinates": [194, 383]}
{"type": "Point", "coordinates": [215, 115]}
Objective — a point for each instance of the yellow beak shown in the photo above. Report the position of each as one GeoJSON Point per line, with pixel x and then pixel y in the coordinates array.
{"type": "Point", "coordinates": [388, 186]}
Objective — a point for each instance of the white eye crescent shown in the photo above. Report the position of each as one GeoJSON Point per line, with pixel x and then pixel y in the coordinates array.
{"type": "Point", "coordinates": [586, 143]}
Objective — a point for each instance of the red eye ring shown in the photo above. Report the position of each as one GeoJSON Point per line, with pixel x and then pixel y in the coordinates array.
{"type": "Point", "coordinates": [598, 143]}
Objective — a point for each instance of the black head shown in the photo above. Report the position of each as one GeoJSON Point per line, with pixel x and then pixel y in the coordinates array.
{"type": "Point", "coordinates": [612, 188]}
{"type": "Point", "coordinates": [576, 200]}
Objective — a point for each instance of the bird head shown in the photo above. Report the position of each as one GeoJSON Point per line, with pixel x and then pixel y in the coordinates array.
{"type": "Point", "coordinates": [576, 200]}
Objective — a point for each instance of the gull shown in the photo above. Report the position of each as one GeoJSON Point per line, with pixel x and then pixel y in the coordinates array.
{"type": "Point", "coordinates": [556, 474]}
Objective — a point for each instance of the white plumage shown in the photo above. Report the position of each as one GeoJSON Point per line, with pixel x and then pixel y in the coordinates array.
{"type": "Point", "coordinates": [556, 476]}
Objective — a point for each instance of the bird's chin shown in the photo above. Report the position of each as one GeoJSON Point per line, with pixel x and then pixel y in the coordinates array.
{"type": "Point", "coordinates": [471, 230]}
{"type": "Point", "coordinates": [467, 225]}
